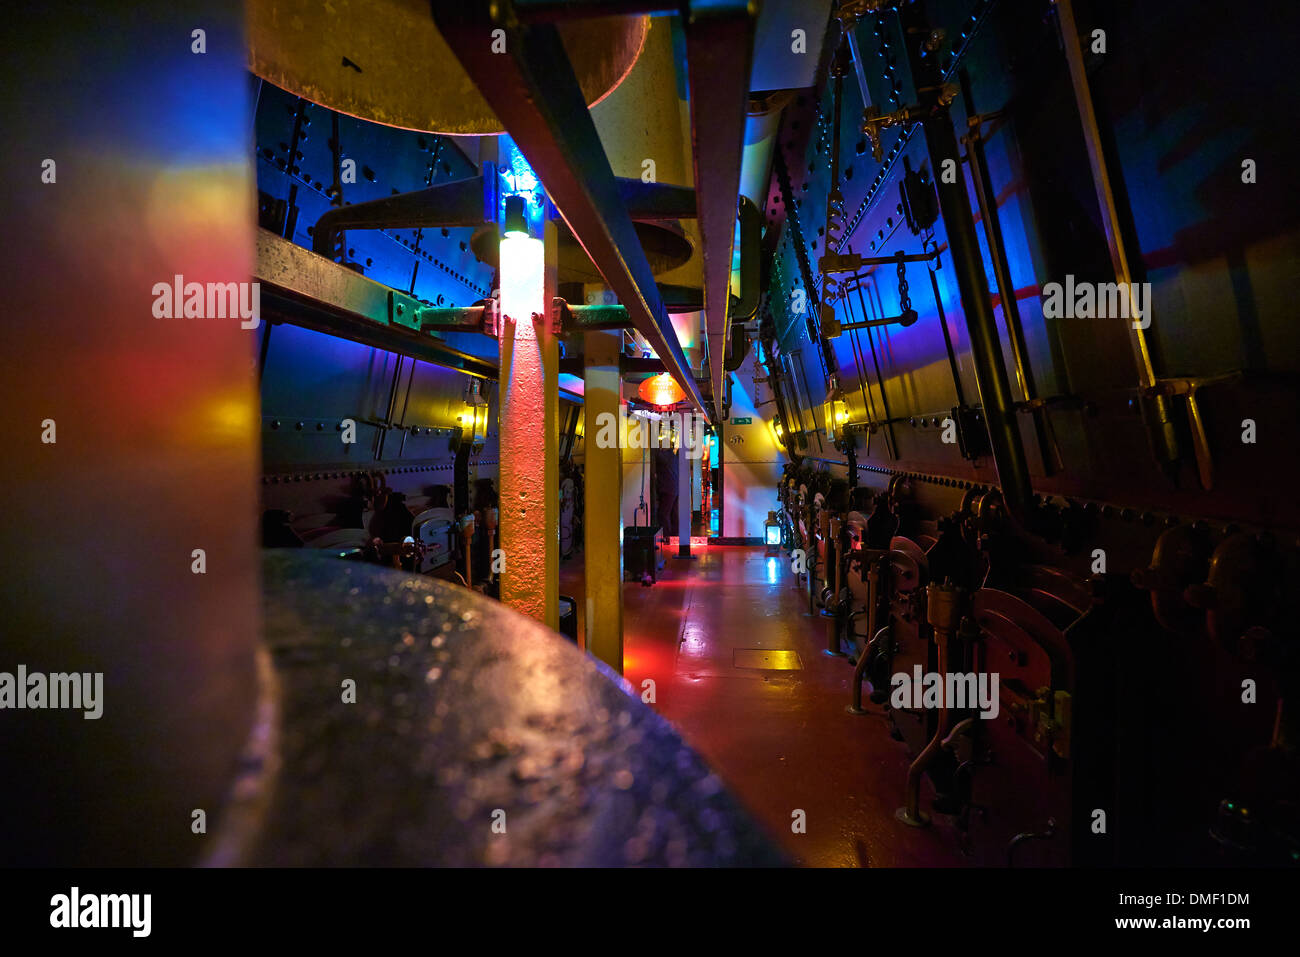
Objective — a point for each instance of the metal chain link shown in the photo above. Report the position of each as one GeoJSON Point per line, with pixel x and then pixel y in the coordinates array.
{"type": "Point", "coordinates": [904, 303]}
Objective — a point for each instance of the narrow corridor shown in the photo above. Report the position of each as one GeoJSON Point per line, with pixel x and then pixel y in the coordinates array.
{"type": "Point", "coordinates": [739, 668]}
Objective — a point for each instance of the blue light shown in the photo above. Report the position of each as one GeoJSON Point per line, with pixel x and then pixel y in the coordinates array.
{"type": "Point", "coordinates": [518, 179]}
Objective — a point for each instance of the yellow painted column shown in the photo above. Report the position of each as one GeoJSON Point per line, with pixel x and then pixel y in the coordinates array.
{"type": "Point", "coordinates": [529, 428]}
{"type": "Point", "coordinates": [603, 488]}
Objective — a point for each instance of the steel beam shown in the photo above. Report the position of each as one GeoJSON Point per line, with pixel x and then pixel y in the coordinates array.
{"type": "Point", "coordinates": [719, 47]}
{"type": "Point", "coordinates": [304, 289]}
{"type": "Point", "coordinates": [533, 90]}
{"type": "Point", "coordinates": [458, 203]}
{"type": "Point", "coordinates": [470, 202]}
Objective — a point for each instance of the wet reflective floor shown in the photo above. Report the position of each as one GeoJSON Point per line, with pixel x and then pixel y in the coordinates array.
{"type": "Point", "coordinates": [738, 667]}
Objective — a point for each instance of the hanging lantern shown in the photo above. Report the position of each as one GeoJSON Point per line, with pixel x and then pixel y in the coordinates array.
{"type": "Point", "coordinates": [835, 412]}
{"type": "Point", "coordinates": [661, 390]}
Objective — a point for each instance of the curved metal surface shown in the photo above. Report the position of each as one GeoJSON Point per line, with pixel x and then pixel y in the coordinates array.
{"type": "Point", "coordinates": [384, 60]}
{"type": "Point", "coordinates": [909, 563]}
{"type": "Point", "coordinates": [465, 710]}
{"type": "Point", "coordinates": [1008, 614]}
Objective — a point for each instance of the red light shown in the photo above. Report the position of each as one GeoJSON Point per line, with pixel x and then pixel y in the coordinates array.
{"type": "Point", "coordinates": [661, 390]}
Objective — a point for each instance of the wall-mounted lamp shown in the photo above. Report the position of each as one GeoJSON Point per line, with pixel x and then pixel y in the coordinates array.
{"type": "Point", "coordinates": [836, 413]}
{"type": "Point", "coordinates": [474, 420]}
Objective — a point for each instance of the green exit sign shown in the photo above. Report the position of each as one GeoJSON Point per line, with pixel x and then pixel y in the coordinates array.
{"type": "Point", "coordinates": [745, 421]}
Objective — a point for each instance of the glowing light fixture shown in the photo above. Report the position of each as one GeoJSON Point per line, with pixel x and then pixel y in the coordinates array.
{"type": "Point", "coordinates": [772, 532]}
{"type": "Point", "coordinates": [661, 390]}
{"type": "Point", "coordinates": [836, 414]}
{"type": "Point", "coordinates": [523, 275]}
{"type": "Point", "coordinates": [474, 420]}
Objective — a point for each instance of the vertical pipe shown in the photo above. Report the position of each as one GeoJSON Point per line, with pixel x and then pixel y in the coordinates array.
{"type": "Point", "coordinates": [986, 348]}
{"type": "Point", "coordinates": [858, 67]}
{"type": "Point", "coordinates": [1159, 416]}
{"type": "Point", "coordinates": [947, 340]}
{"type": "Point", "coordinates": [529, 432]}
{"type": "Point", "coordinates": [603, 512]}
{"type": "Point", "coordinates": [988, 204]}
{"type": "Point", "coordinates": [968, 264]}
{"type": "Point", "coordinates": [880, 381]}
{"type": "Point", "coordinates": [684, 501]}
{"type": "Point", "coordinates": [388, 414]}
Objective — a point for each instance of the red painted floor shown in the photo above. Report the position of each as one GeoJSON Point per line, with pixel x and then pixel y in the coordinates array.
{"type": "Point", "coordinates": [782, 740]}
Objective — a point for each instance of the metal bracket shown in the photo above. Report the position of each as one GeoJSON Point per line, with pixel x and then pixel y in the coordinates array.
{"type": "Point", "coordinates": [567, 319]}
{"type": "Point", "coordinates": [832, 327]}
{"type": "Point", "coordinates": [874, 122]}
{"type": "Point", "coordinates": [1188, 387]}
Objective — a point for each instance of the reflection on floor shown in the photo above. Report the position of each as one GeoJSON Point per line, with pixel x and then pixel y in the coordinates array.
{"type": "Point", "coordinates": [738, 667]}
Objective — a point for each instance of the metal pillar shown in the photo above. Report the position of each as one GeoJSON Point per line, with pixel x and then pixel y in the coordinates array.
{"type": "Point", "coordinates": [529, 438]}
{"type": "Point", "coordinates": [603, 512]}
{"type": "Point", "coordinates": [683, 498]}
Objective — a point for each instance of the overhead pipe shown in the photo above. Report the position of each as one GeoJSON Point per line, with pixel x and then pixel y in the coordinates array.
{"type": "Point", "coordinates": [719, 51]}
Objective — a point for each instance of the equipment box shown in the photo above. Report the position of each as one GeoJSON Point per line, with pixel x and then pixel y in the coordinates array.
{"type": "Point", "coordinates": [641, 561]}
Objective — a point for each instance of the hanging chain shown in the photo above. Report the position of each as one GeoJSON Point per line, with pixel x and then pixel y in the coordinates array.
{"type": "Point", "coordinates": [904, 303]}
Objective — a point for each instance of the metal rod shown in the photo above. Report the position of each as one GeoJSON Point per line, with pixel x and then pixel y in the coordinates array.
{"type": "Point", "coordinates": [988, 206]}
{"type": "Point", "coordinates": [884, 399]}
{"type": "Point", "coordinates": [947, 340]}
{"type": "Point", "coordinates": [1161, 424]}
{"type": "Point", "coordinates": [406, 404]}
{"type": "Point", "coordinates": [968, 263]}
{"type": "Point", "coordinates": [858, 67]}
{"type": "Point", "coordinates": [857, 261]}
{"type": "Point", "coordinates": [986, 347]}
{"type": "Point", "coordinates": [867, 404]}
{"type": "Point", "coordinates": [392, 407]}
